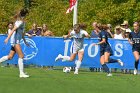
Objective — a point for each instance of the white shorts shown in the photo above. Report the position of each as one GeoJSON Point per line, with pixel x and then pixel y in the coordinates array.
{"type": "Point", "coordinates": [76, 50]}
{"type": "Point", "coordinates": [16, 42]}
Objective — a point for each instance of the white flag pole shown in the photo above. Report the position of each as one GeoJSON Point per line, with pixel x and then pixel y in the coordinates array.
{"type": "Point", "coordinates": [75, 13]}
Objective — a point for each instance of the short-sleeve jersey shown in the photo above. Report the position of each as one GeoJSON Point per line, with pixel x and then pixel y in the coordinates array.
{"type": "Point", "coordinates": [78, 38]}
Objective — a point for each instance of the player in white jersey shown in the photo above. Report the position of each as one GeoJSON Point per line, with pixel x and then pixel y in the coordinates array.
{"type": "Point", "coordinates": [12, 40]}
{"type": "Point", "coordinates": [77, 48]}
{"type": "Point", "coordinates": [16, 34]}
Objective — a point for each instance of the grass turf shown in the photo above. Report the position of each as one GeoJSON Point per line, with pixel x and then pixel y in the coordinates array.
{"type": "Point", "coordinates": [55, 81]}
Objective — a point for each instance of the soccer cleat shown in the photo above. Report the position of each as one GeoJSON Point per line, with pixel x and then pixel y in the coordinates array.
{"type": "Point", "coordinates": [109, 75]}
{"type": "Point", "coordinates": [135, 72]}
{"type": "Point", "coordinates": [120, 62]}
{"type": "Point", "coordinates": [23, 76]}
{"type": "Point", "coordinates": [76, 71]}
{"type": "Point", "coordinates": [58, 57]}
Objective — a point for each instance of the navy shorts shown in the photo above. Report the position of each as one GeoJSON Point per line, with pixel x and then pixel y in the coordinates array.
{"type": "Point", "coordinates": [136, 49]}
{"type": "Point", "coordinates": [13, 49]}
{"type": "Point", "coordinates": [106, 49]}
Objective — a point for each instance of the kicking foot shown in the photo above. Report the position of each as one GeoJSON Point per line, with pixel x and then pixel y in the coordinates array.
{"type": "Point", "coordinates": [135, 71]}
{"type": "Point", "coordinates": [76, 71]}
{"type": "Point", "coordinates": [109, 75]}
{"type": "Point", "coordinates": [120, 62]}
{"type": "Point", "coordinates": [58, 57]}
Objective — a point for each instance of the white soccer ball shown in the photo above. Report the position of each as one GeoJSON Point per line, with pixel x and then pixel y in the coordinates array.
{"type": "Point", "coordinates": [66, 69]}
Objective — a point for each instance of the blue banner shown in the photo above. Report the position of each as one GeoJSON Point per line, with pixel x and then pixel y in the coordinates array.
{"type": "Point", "coordinates": [43, 51]}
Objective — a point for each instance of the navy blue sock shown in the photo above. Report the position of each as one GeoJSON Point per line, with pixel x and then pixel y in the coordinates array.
{"type": "Point", "coordinates": [112, 60]}
{"type": "Point", "coordinates": [105, 68]}
{"type": "Point", "coordinates": [136, 64]}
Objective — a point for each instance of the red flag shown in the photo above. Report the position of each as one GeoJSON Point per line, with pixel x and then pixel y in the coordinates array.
{"type": "Point", "coordinates": [72, 4]}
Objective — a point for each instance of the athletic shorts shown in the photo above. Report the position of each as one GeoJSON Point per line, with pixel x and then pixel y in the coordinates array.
{"type": "Point", "coordinates": [136, 49]}
{"type": "Point", "coordinates": [12, 48]}
{"type": "Point", "coordinates": [76, 50]}
{"type": "Point", "coordinates": [106, 49]}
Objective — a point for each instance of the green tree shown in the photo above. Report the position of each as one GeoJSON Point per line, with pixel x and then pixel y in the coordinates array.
{"type": "Point", "coordinates": [52, 12]}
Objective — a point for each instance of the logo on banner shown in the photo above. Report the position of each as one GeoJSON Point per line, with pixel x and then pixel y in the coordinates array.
{"type": "Point", "coordinates": [29, 51]}
{"type": "Point", "coordinates": [93, 51]}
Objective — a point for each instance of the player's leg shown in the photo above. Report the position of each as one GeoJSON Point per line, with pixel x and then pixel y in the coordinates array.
{"type": "Point", "coordinates": [106, 56]}
{"type": "Point", "coordinates": [20, 60]}
{"type": "Point", "coordinates": [79, 61]}
{"type": "Point", "coordinates": [104, 66]}
{"type": "Point", "coordinates": [8, 57]}
{"type": "Point", "coordinates": [104, 60]}
{"type": "Point", "coordinates": [136, 55]}
{"type": "Point", "coordinates": [111, 60]}
{"type": "Point", "coordinates": [72, 57]}
{"type": "Point", "coordinates": [4, 58]}
{"type": "Point", "coordinates": [66, 58]}
{"type": "Point", "coordinates": [12, 53]}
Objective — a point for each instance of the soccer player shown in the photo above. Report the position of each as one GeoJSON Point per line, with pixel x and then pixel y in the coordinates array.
{"type": "Point", "coordinates": [105, 50]}
{"type": "Point", "coordinates": [134, 40]}
{"type": "Point", "coordinates": [78, 47]}
{"type": "Point", "coordinates": [12, 40]}
{"type": "Point", "coordinates": [16, 34]}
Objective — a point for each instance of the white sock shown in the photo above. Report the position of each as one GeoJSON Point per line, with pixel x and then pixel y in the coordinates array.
{"type": "Point", "coordinates": [4, 58]}
{"type": "Point", "coordinates": [21, 66]}
{"type": "Point", "coordinates": [65, 58]}
{"type": "Point", "coordinates": [78, 64]}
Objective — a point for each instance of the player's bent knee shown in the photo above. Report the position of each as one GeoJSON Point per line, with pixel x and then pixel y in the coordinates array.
{"type": "Point", "coordinates": [71, 59]}
{"type": "Point", "coordinates": [106, 60]}
{"type": "Point", "coordinates": [10, 57]}
{"type": "Point", "coordinates": [137, 60]}
{"type": "Point", "coordinates": [102, 63]}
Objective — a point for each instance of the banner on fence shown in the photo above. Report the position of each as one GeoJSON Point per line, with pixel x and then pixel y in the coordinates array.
{"type": "Point", "coordinates": [43, 51]}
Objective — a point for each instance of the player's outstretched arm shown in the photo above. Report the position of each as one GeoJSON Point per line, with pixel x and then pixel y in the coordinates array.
{"type": "Point", "coordinates": [66, 36]}
{"type": "Point", "coordinates": [88, 36]}
{"type": "Point", "coordinates": [10, 34]}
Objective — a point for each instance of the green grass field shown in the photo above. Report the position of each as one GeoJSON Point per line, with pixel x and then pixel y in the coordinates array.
{"type": "Point", "coordinates": [55, 81]}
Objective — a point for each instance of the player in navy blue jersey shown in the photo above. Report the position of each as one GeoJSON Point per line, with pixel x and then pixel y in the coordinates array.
{"type": "Point", "coordinates": [134, 40]}
{"type": "Point", "coordinates": [106, 51]}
